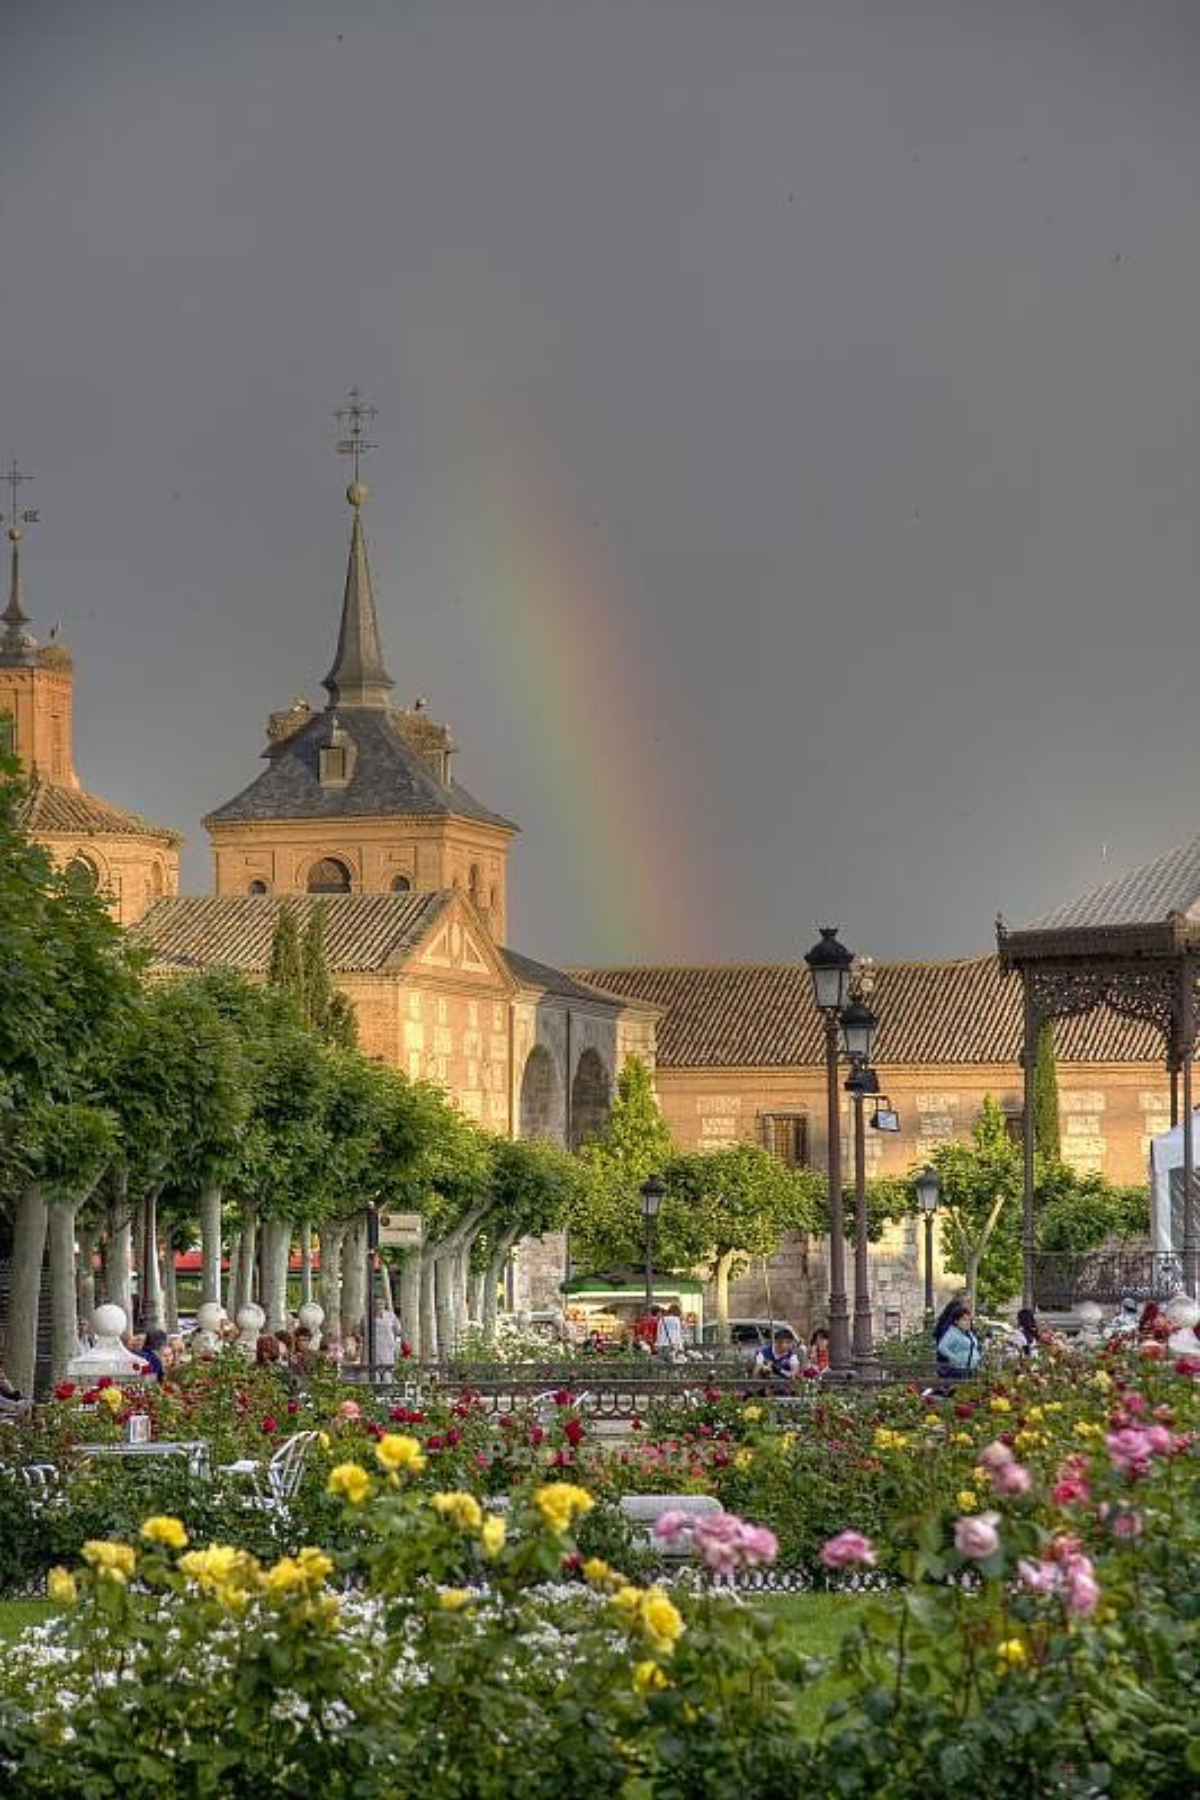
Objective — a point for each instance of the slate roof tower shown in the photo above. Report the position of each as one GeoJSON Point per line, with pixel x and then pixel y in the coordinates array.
{"type": "Point", "coordinates": [360, 797]}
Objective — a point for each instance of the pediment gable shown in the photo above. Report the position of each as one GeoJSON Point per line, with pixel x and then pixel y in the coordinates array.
{"type": "Point", "coordinates": [458, 947]}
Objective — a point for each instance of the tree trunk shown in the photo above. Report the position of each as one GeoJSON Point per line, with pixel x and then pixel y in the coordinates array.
{"type": "Point", "coordinates": [118, 1257]}
{"type": "Point", "coordinates": [233, 1281]}
{"type": "Point", "coordinates": [354, 1280]}
{"type": "Point", "coordinates": [29, 1245]}
{"type": "Point", "coordinates": [249, 1257]}
{"type": "Point", "coordinates": [721, 1283]}
{"type": "Point", "coordinates": [428, 1310]}
{"type": "Point", "coordinates": [210, 1245]}
{"type": "Point", "coordinates": [409, 1308]}
{"type": "Point", "coordinates": [329, 1284]}
{"type": "Point", "coordinates": [64, 1322]}
{"type": "Point", "coordinates": [276, 1253]}
{"type": "Point", "coordinates": [149, 1269]}
{"type": "Point", "coordinates": [443, 1302]}
{"type": "Point", "coordinates": [493, 1276]}
{"type": "Point", "coordinates": [306, 1280]}
{"type": "Point", "coordinates": [170, 1283]}
{"type": "Point", "coordinates": [85, 1277]}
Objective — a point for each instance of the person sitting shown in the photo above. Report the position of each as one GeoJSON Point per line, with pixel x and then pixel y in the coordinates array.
{"type": "Point", "coordinates": [1026, 1337]}
{"type": "Point", "coordinates": [818, 1350]}
{"type": "Point", "coordinates": [958, 1352]}
{"type": "Point", "coordinates": [13, 1403]}
{"type": "Point", "coordinates": [778, 1359]}
{"type": "Point", "coordinates": [155, 1354]}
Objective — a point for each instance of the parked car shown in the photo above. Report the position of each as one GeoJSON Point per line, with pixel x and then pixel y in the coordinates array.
{"type": "Point", "coordinates": [746, 1336]}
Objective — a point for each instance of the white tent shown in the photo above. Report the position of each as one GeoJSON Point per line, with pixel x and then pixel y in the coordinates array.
{"type": "Point", "coordinates": [1166, 1186]}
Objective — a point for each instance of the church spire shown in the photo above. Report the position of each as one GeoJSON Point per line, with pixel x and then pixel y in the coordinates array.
{"type": "Point", "coordinates": [16, 643]}
{"type": "Point", "coordinates": [358, 677]}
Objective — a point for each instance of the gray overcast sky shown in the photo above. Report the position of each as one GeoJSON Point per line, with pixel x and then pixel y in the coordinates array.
{"type": "Point", "coordinates": [788, 481]}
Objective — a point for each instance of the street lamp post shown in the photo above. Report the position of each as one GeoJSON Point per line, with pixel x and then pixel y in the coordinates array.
{"type": "Point", "coordinates": [829, 964]}
{"type": "Point", "coordinates": [652, 1198]}
{"type": "Point", "coordinates": [862, 1083]}
{"type": "Point", "coordinates": [928, 1190]}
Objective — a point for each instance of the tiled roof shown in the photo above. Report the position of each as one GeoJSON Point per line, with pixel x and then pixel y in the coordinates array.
{"type": "Point", "coordinates": [388, 779]}
{"type": "Point", "coordinates": [1148, 895]}
{"type": "Point", "coordinates": [761, 1015]}
{"type": "Point", "coordinates": [532, 974]}
{"type": "Point", "coordinates": [54, 809]}
{"type": "Point", "coordinates": [363, 932]}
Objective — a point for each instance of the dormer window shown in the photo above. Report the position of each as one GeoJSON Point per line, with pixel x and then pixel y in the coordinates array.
{"type": "Point", "coordinates": [336, 759]}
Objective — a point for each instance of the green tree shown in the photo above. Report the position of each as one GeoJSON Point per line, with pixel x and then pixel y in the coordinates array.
{"type": "Point", "coordinates": [299, 968]}
{"type": "Point", "coordinates": [725, 1206]}
{"type": "Point", "coordinates": [1045, 1095]}
{"type": "Point", "coordinates": [634, 1143]}
{"type": "Point", "coordinates": [67, 979]}
{"type": "Point", "coordinates": [981, 1185]}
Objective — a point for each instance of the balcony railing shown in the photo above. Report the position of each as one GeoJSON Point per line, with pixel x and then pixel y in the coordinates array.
{"type": "Point", "coordinates": [1063, 1279]}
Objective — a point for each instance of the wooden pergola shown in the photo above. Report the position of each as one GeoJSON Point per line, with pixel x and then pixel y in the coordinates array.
{"type": "Point", "coordinates": [1133, 946]}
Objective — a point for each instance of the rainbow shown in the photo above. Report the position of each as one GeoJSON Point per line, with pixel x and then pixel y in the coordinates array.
{"type": "Point", "coordinates": [560, 628]}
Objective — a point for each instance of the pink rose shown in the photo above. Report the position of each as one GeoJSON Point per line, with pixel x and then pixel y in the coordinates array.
{"type": "Point", "coordinates": [1011, 1479]}
{"type": "Point", "coordinates": [1083, 1591]}
{"type": "Point", "coordinates": [1070, 1491]}
{"type": "Point", "coordinates": [1037, 1577]}
{"type": "Point", "coordinates": [670, 1525]}
{"type": "Point", "coordinates": [758, 1545]}
{"type": "Point", "coordinates": [995, 1456]}
{"type": "Point", "coordinates": [846, 1549]}
{"type": "Point", "coordinates": [349, 1409]}
{"type": "Point", "coordinates": [1126, 1525]}
{"type": "Point", "coordinates": [976, 1536]}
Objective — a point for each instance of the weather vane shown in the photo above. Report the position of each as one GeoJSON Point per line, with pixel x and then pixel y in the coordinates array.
{"type": "Point", "coordinates": [17, 518]}
{"type": "Point", "coordinates": [355, 421]}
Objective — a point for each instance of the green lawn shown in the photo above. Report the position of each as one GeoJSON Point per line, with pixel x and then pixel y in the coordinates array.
{"type": "Point", "coordinates": [15, 1615]}
{"type": "Point", "coordinates": [813, 1623]}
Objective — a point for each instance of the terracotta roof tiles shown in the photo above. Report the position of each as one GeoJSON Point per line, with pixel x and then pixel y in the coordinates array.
{"type": "Point", "coordinates": [363, 932]}
{"type": "Point", "coordinates": [70, 812]}
{"type": "Point", "coordinates": [930, 1014]}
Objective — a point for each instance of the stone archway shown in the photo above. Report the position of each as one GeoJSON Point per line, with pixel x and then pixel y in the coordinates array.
{"type": "Point", "coordinates": [591, 1098]}
{"type": "Point", "coordinates": [329, 876]}
{"type": "Point", "coordinates": [540, 1095]}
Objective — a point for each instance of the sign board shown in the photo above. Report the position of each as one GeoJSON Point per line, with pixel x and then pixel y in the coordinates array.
{"type": "Point", "coordinates": [402, 1230]}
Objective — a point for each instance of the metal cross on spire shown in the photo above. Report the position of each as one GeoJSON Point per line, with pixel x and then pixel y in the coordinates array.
{"type": "Point", "coordinates": [355, 421]}
{"type": "Point", "coordinates": [16, 518]}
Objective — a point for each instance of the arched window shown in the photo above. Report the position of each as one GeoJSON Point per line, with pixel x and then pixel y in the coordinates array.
{"type": "Point", "coordinates": [541, 1096]}
{"type": "Point", "coordinates": [401, 884]}
{"type": "Point", "coordinates": [591, 1096]}
{"type": "Point", "coordinates": [83, 874]}
{"type": "Point", "coordinates": [157, 883]}
{"type": "Point", "coordinates": [329, 877]}
{"type": "Point", "coordinates": [475, 885]}
{"type": "Point", "coordinates": [258, 887]}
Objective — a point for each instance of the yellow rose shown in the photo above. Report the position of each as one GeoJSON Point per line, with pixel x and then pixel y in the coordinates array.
{"type": "Point", "coordinates": [116, 1561]}
{"type": "Point", "coordinates": [962, 1437]}
{"type": "Point", "coordinates": [1035, 1415]}
{"type": "Point", "coordinates": [967, 1501]}
{"type": "Point", "coordinates": [163, 1529]}
{"type": "Point", "coordinates": [628, 1601]}
{"type": "Point", "coordinates": [752, 1413]}
{"type": "Point", "coordinates": [560, 1503]}
{"type": "Point", "coordinates": [661, 1621]}
{"type": "Point", "coordinates": [492, 1534]}
{"type": "Point", "coordinates": [351, 1481]}
{"type": "Point", "coordinates": [1012, 1654]}
{"type": "Point", "coordinates": [647, 1676]}
{"type": "Point", "coordinates": [453, 1598]}
{"type": "Point", "coordinates": [113, 1397]}
{"type": "Point", "coordinates": [223, 1571]}
{"type": "Point", "coordinates": [463, 1510]}
{"type": "Point", "coordinates": [1102, 1380]}
{"type": "Point", "coordinates": [596, 1569]}
{"type": "Point", "coordinates": [309, 1569]}
{"type": "Point", "coordinates": [61, 1588]}
{"type": "Point", "coordinates": [932, 1419]}
{"type": "Point", "coordinates": [742, 1459]}
{"type": "Point", "coordinates": [395, 1452]}
{"type": "Point", "coordinates": [999, 1404]}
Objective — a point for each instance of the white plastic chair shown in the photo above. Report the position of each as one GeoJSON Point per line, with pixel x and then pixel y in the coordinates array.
{"type": "Point", "coordinates": [275, 1482]}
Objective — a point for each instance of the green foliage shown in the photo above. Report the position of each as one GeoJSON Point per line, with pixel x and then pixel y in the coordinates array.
{"type": "Point", "coordinates": [299, 969]}
{"type": "Point", "coordinates": [979, 1207]}
{"type": "Point", "coordinates": [1077, 1213]}
{"type": "Point", "coordinates": [1046, 1135]}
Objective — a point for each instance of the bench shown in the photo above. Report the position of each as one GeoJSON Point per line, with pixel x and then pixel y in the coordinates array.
{"type": "Point", "coordinates": [644, 1509]}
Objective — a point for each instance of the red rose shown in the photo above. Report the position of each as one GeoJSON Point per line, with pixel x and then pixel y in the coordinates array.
{"type": "Point", "coordinates": [105, 1381]}
{"type": "Point", "coordinates": [434, 1443]}
{"type": "Point", "coordinates": [453, 1436]}
{"type": "Point", "coordinates": [406, 1348]}
{"type": "Point", "coordinates": [64, 1390]}
{"type": "Point", "coordinates": [293, 1406]}
{"type": "Point", "coordinates": [536, 1436]}
{"type": "Point", "coordinates": [270, 1424]}
{"type": "Point", "coordinates": [573, 1431]}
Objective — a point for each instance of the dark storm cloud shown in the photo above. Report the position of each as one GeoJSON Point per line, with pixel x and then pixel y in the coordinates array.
{"type": "Point", "coordinates": [869, 331]}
